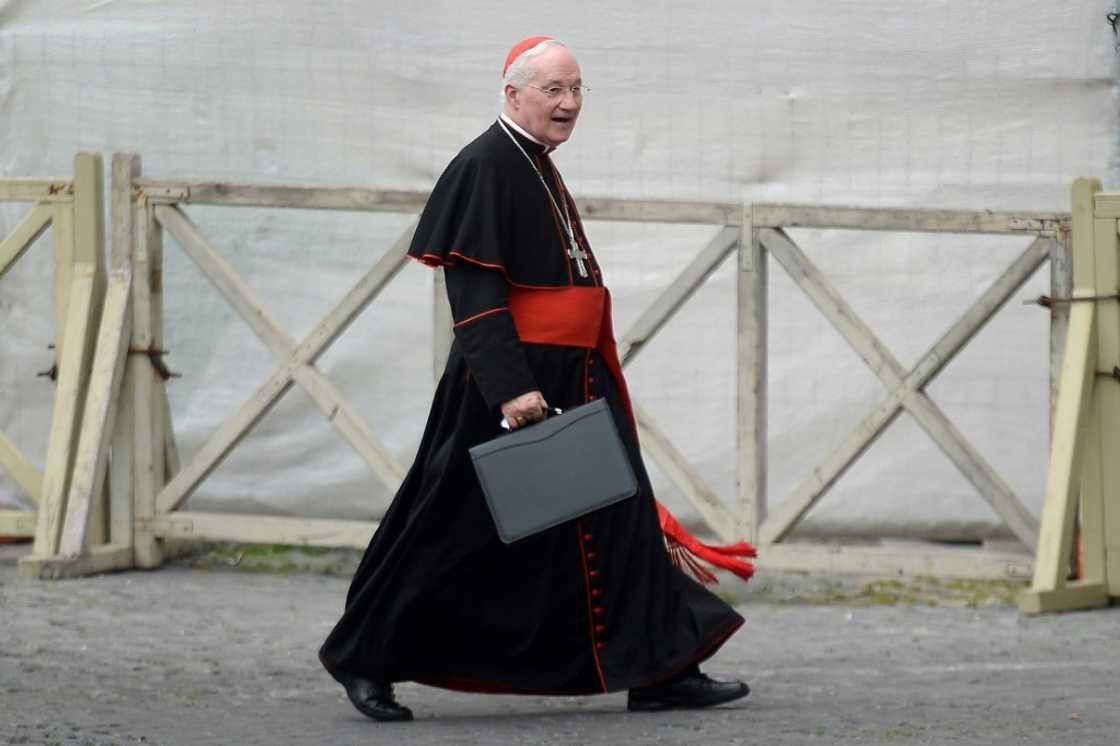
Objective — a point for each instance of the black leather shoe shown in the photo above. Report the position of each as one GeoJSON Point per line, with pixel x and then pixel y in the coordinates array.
{"type": "Point", "coordinates": [375, 700]}
{"type": "Point", "coordinates": [689, 692]}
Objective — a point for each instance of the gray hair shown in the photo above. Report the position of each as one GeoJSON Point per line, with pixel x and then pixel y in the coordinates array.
{"type": "Point", "coordinates": [521, 71]}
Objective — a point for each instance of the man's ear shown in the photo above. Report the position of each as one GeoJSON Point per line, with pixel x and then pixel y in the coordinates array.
{"type": "Point", "coordinates": [512, 94]}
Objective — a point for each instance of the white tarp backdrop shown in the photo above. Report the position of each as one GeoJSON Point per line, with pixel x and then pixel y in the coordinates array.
{"type": "Point", "coordinates": [947, 103]}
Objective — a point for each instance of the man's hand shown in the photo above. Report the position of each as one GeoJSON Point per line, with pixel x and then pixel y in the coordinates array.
{"type": "Point", "coordinates": [524, 409]}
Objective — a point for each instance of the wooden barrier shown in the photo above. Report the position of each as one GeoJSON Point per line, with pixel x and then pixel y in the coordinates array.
{"type": "Point", "coordinates": [70, 209]}
{"type": "Point", "coordinates": [128, 414]}
{"type": "Point", "coordinates": [767, 237]}
{"type": "Point", "coordinates": [754, 232]}
{"type": "Point", "coordinates": [1083, 483]}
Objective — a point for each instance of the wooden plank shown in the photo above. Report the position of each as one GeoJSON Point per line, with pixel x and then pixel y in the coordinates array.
{"type": "Point", "coordinates": [100, 559]}
{"type": "Point", "coordinates": [73, 373]}
{"type": "Point", "coordinates": [751, 369]}
{"type": "Point", "coordinates": [346, 420]}
{"type": "Point", "coordinates": [62, 236]}
{"type": "Point", "coordinates": [307, 198]}
{"type": "Point", "coordinates": [990, 486]}
{"type": "Point", "coordinates": [126, 167]}
{"type": "Point", "coordinates": [98, 418]}
{"type": "Point", "coordinates": [716, 213]}
{"type": "Point", "coordinates": [1107, 205]}
{"type": "Point", "coordinates": [240, 296]}
{"type": "Point", "coordinates": [360, 296]}
{"type": "Point", "coordinates": [172, 464]}
{"type": "Point", "coordinates": [222, 275]}
{"type": "Point", "coordinates": [20, 468]}
{"type": "Point", "coordinates": [381, 200]}
{"type": "Point", "coordinates": [1060, 503]}
{"type": "Point", "coordinates": [1072, 597]}
{"type": "Point", "coordinates": [159, 427]}
{"type": "Point", "coordinates": [907, 220]}
{"type": "Point", "coordinates": [144, 488]}
{"type": "Point", "coordinates": [57, 191]}
{"type": "Point", "coordinates": [1092, 518]}
{"type": "Point", "coordinates": [886, 561]}
{"type": "Point", "coordinates": [1076, 389]}
{"type": "Point", "coordinates": [654, 211]}
{"type": "Point", "coordinates": [1061, 286]}
{"type": "Point", "coordinates": [1106, 247]}
{"type": "Point", "coordinates": [442, 332]}
{"type": "Point", "coordinates": [676, 294]}
{"type": "Point", "coordinates": [121, 514]}
{"type": "Point", "coordinates": [89, 213]}
{"type": "Point", "coordinates": [263, 529]}
{"type": "Point", "coordinates": [1084, 258]}
{"type": "Point", "coordinates": [788, 513]}
{"type": "Point", "coordinates": [17, 523]}
{"type": "Point", "coordinates": [24, 235]}
{"type": "Point", "coordinates": [681, 473]}
{"type": "Point", "coordinates": [995, 491]}
{"type": "Point", "coordinates": [223, 440]}
{"type": "Point", "coordinates": [829, 302]}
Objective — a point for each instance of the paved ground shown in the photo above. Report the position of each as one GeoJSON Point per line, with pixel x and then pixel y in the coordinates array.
{"type": "Point", "coordinates": [227, 656]}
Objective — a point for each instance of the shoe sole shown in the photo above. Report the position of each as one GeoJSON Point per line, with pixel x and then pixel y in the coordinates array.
{"type": "Point", "coordinates": [661, 705]}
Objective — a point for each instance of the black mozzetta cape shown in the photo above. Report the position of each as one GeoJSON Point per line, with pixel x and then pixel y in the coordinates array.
{"type": "Point", "coordinates": [590, 606]}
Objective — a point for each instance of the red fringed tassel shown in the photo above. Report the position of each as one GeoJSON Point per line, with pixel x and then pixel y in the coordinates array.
{"type": "Point", "coordinates": [686, 551]}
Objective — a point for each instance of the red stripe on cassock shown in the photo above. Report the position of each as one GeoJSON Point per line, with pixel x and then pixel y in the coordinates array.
{"type": "Point", "coordinates": [581, 317]}
{"type": "Point", "coordinates": [480, 315]}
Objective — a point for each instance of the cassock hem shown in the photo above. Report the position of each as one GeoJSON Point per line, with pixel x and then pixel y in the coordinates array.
{"type": "Point", "coordinates": [479, 686]}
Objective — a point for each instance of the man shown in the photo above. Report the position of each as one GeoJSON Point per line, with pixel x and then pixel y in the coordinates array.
{"type": "Point", "coordinates": [591, 606]}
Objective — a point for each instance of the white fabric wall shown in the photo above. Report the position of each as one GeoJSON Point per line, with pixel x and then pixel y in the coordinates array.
{"type": "Point", "coordinates": [994, 105]}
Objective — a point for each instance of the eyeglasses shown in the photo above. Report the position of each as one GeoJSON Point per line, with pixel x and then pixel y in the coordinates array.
{"type": "Point", "coordinates": [553, 91]}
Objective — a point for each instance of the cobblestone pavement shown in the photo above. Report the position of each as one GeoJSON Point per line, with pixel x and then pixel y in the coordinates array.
{"type": "Point", "coordinates": [194, 656]}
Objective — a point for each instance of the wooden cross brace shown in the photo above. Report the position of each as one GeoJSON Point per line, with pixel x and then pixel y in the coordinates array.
{"type": "Point", "coordinates": [654, 441]}
{"type": "Point", "coordinates": [905, 387]}
{"type": "Point", "coordinates": [297, 360]}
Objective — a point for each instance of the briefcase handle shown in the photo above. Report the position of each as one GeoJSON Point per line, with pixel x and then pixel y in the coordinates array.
{"type": "Point", "coordinates": [551, 411]}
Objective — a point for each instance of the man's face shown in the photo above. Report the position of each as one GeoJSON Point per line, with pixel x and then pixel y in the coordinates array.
{"type": "Point", "coordinates": [549, 119]}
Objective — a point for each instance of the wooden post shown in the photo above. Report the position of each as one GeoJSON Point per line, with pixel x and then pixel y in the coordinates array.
{"type": "Point", "coordinates": [100, 407]}
{"type": "Point", "coordinates": [79, 237]}
{"type": "Point", "coordinates": [751, 362]}
{"type": "Point", "coordinates": [1107, 402]}
{"type": "Point", "coordinates": [1061, 286]}
{"type": "Point", "coordinates": [126, 169]}
{"type": "Point", "coordinates": [1086, 426]}
{"type": "Point", "coordinates": [144, 485]}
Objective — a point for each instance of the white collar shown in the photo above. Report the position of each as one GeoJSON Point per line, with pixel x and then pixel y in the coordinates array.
{"type": "Point", "coordinates": [523, 133]}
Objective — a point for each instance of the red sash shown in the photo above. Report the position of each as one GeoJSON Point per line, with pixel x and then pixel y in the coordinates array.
{"type": "Point", "coordinates": [580, 316]}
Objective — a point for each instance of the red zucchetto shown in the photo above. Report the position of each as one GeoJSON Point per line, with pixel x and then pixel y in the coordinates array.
{"type": "Point", "coordinates": [520, 48]}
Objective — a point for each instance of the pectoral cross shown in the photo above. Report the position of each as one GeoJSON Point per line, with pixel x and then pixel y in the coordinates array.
{"type": "Point", "coordinates": [578, 254]}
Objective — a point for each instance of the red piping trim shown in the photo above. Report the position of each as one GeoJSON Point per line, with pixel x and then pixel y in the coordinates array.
{"type": "Point", "coordinates": [590, 617]}
{"type": "Point", "coordinates": [479, 316]}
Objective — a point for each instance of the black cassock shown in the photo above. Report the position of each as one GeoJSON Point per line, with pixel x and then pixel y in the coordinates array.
{"type": "Point", "coordinates": [586, 607]}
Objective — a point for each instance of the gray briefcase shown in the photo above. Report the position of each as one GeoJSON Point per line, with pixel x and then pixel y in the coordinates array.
{"type": "Point", "coordinates": [553, 471]}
